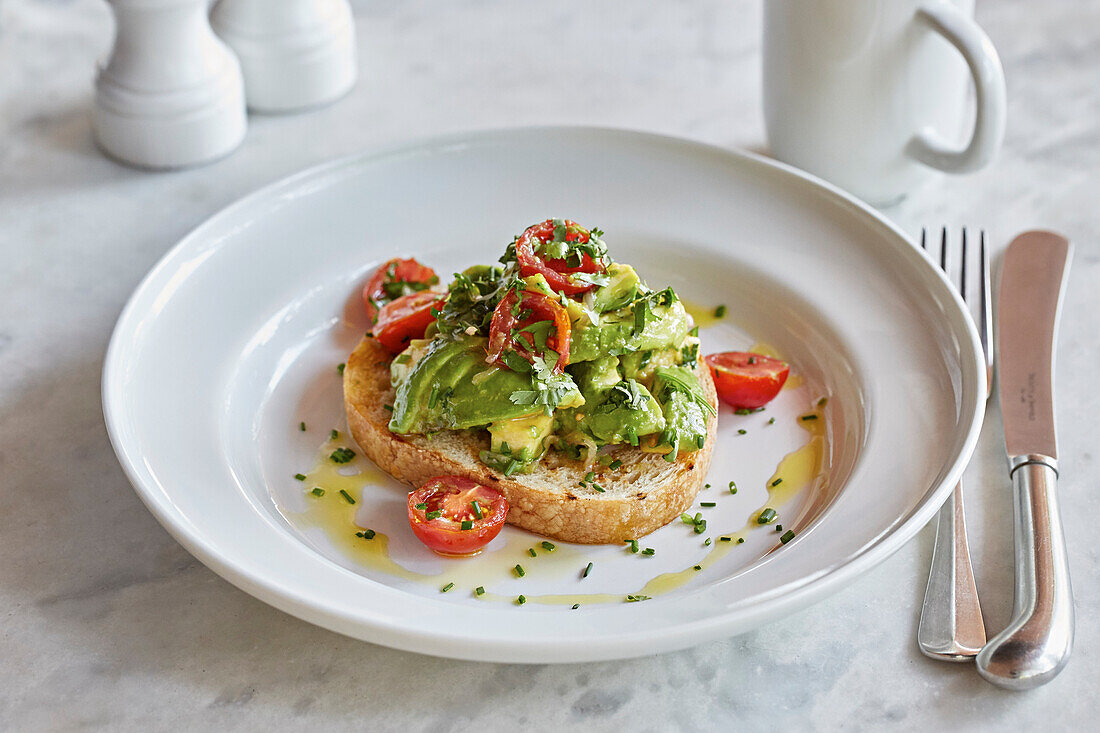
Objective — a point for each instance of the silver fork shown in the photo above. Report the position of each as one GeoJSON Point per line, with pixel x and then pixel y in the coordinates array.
{"type": "Point", "coordinates": [951, 624]}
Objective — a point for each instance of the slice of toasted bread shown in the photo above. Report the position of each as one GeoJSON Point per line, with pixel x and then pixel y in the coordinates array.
{"type": "Point", "coordinates": [643, 494]}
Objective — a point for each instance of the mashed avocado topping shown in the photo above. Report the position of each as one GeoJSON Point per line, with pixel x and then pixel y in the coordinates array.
{"type": "Point", "coordinates": [557, 347]}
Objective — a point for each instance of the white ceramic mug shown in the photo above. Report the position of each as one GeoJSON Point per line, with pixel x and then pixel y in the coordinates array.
{"type": "Point", "coordinates": [872, 94]}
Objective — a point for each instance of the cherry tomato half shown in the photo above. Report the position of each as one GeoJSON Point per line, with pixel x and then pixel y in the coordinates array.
{"type": "Point", "coordinates": [747, 381]}
{"type": "Point", "coordinates": [453, 515]}
{"type": "Point", "coordinates": [394, 279]}
{"type": "Point", "coordinates": [405, 319]}
{"type": "Point", "coordinates": [515, 313]}
{"type": "Point", "coordinates": [555, 271]}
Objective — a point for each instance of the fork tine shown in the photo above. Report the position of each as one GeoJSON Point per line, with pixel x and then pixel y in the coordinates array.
{"type": "Point", "coordinates": [943, 249]}
{"type": "Point", "coordinates": [986, 310]}
{"type": "Point", "coordinates": [962, 269]}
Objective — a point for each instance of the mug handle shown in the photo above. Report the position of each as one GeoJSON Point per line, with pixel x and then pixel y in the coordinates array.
{"type": "Point", "coordinates": [989, 83]}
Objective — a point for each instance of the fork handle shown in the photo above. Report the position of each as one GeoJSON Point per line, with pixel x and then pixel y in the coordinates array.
{"type": "Point", "coordinates": [951, 625]}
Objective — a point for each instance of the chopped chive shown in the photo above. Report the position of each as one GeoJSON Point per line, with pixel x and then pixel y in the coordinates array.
{"type": "Point", "coordinates": [520, 600]}
{"type": "Point", "coordinates": [334, 435]}
{"type": "Point", "coordinates": [726, 539]}
{"type": "Point", "coordinates": [531, 552]}
{"type": "Point", "coordinates": [340, 368]}
{"type": "Point", "coordinates": [733, 485]}
{"type": "Point", "coordinates": [512, 467]}
{"type": "Point", "coordinates": [747, 410]}
{"type": "Point", "coordinates": [477, 509]}
{"type": "Point", "coordinates": [649, 551]}
{"type": "Point", "coordinates": [479, 591]}
{"type": "Point", "coordinates": [587, 570]}
{"type": "Point", "coordinates": [467, 524]}
{"type": "Point", "coordinates": [740, 540]}
{"type": "Point", "coordinates": [300, 476]}
{"type": "Point", "coordinates": [733, 489]}
{"type": "Point", "coordinates": [347, 497]}
{"type": "Point", "coordinates": [433, 397]}
{"type": "Point", "coordinates": [822, 401]}
{"type": "Point", "coordinates": [720, 311]}
{"type": "Point", "coordinates": [575, 606]}
{"type": "Point", "coordinates": [367, 534]}
{"type": "Point", "coordinates": [318, 491]}
{"type": "Point", "coordinates": [701, 527]}
{"type": "Point", "coordinates": [302, 426]}
{"type": "Point", "coordinates": [520, 572]}
{"type": "Point", "coordinates": [634, 599]}
{"type": "Point", "coordinates": [446, 588]}
{"type": "Point", "coordinates": [697, 567]}
{"type": "Point", "coordinates": [808, 417]}
{"type": "Point", "coordinates": [615, 464]}
{"type": "Point", "coordinates": [771, 421]}
{"type": "Point", "coordinates": [434, 515]}
{"type": "Point", "coordinates": [752, 359]}
{"type": "Point", "coordinates": [342, 455]}
{"type": "Point", "coordinates": [742, 431]}
{"type": "Point", "coordinates": [589, 476]}
{"type": "Point", "coordinates": [779, 528]}
{"type": "Point", "coordinates": [777, 482]}
{"type": "Point", "coordinates": [687, 519]}
{"type": "Point", "coordinates": [388, 407]}
{"type": "Point", "coordinates": [698, 517]}
{"type": "Point", "coordinates": [634, 546]}
{"type": "Point", "coordinates": [421, 506]}
{"type": "Point", "coordinates": [707, 504]}
{"type": "Point", "coordinates": [706, 486]}
{"type": "Point", "coordinates": [706, 542]}
{"type": "Point", "coordinates": [548, 546]}
{"type": "Point", "coordinates": [766, 516]}
{"type": "Point", "coordinates": [787, 536]}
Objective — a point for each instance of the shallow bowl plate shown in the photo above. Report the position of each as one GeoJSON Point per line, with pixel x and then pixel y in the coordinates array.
{"type": "Point", "coordinates": [232, 340]}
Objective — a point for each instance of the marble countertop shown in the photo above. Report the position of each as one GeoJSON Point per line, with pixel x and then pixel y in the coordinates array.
{"type": "Point", "coordinates": [108, 623]}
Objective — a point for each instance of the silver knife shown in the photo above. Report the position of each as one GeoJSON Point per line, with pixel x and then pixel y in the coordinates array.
{"type": "Point", "coordinates": [1037, 642]}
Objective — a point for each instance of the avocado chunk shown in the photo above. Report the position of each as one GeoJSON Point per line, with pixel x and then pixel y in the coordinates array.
{"type": "Point", "coordinates": [617, 332]}
{"type": "Point", "coordinates": [596, 378]}
{"type": "Point", "coordinates": [682, 405]}
{"type": "Point", "coordinates": [628, 413]}
{"type": "Point", "coordinates": [518, 442]}
{"type": "Point", "coordinates": [620, 291]}
{"type": "Point", "coordinates": [451, 387]}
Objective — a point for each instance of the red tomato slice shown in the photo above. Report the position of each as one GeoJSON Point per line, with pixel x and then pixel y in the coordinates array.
{"type": "Point", "coordinates": [747, 381]}
{"type": "Point", "coordinates": [388, 280]}
{"type": "Point", "coordinates": [440, 509]}
{"type": "Point", "coordinates": [405, 319]}
{"type": "Point", "coordinates": [515, 313]}
{"type": "Point", "coordinates": [556, 272]}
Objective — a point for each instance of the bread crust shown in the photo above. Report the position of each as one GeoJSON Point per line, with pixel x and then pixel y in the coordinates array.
{"type": "Point", "coordinates": [645, 493]}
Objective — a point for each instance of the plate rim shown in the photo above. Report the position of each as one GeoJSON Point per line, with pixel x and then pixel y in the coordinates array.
{"type": "Point", "coordinates": [778, 602]}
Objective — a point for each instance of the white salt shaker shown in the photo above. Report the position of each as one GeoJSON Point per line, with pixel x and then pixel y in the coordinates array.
{"type": "Point", "coordinates": [171, 94]}
{"type": "Point", "coordinates": [295, 54]}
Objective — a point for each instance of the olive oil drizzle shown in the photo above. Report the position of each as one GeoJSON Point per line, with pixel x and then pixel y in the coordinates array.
{"type": "Point", "coordinates": [337, 519]}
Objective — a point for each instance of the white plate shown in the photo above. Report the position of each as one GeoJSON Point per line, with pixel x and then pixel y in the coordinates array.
{"type": "Point", "coordinates": [233, 338]}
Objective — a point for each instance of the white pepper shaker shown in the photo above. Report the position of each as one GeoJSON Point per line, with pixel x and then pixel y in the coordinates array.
{"type": "Point", "coordinates": [171, 94]}
{"type": "Point", "coordinates": [295, 54]}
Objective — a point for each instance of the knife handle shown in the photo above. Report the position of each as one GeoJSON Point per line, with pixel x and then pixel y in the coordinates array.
{"type": "Point", "coordinates": [1037, 643]}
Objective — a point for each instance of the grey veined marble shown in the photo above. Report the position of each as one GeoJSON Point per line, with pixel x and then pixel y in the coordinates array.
{"type": "Point", "coordinates": [108, 624]}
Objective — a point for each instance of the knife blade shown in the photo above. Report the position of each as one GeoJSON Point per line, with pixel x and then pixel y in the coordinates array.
{"type": "Point", "coordinates": [1036, 644]}
{"type": "Point", "coordinates": [1035, 268]}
